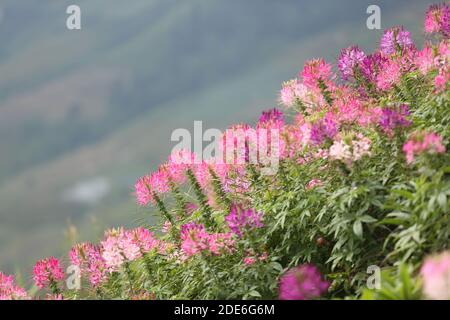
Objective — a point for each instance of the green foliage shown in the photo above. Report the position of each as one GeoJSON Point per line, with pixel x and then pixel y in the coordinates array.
{"type": "Point", "coordinates": [397, 284]}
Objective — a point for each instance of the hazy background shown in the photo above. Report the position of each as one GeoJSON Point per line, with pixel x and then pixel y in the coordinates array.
{"type": "Point", "coordinates": [84, 113]}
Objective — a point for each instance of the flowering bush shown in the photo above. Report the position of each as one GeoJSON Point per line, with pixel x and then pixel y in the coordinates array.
{"type": "Point", "coordinates": [363, 179]}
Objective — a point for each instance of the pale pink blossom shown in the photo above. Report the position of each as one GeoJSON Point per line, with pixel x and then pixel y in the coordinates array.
{"type": "Point", "coordinates": [435, 273]}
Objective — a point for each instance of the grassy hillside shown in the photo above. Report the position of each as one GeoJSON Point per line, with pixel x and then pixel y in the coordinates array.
{"type": "Point", "coordinates": [102, 102]}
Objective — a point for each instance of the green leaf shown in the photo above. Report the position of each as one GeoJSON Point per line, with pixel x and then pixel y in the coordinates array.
{"type": "Point", "coordinates": [254, 293]}
{"type": "Point", "coordinates": [367, 219]}
{"type": "Point", "coordinates": [357, 228]}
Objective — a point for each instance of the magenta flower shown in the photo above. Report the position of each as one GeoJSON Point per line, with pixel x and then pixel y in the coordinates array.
{"type": "Point", "coordinates": [47, 272]}
{"type": "Point", "coordinates": [370, 66]}
{"type": "Point", "coordinates": [435, 273]}
{"type": "Point", "coordinates": [437, 19]}
{"type": "Point", "coordinates": [271, 118]}
{"type": "Point", "coordinates": [392, 118]}
{"type": "Point", "coordinates": [302, 283]}
{"type": "Point", "coordinates": [324, 128]}
{"type": "Point", "coordinates": [395, 39]}
{"type": "Point", "coordinates": [350, 59]}
{"type": "Point", "coordinates": [239, 220]}
{"type": "Point", "coordinates": [9, 290]}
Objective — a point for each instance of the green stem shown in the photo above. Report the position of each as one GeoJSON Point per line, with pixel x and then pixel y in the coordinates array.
{"type": "Point", "coordinates": [180, 208]}
{"type": "Point", "coordinates": [162, 208]}
{"type": "Point", "coordinates": [221, 196]}
{"type": "Point", "coordinates": [201, 197]}
{"type": "Point", "coordinates": [129, 275]}
{"type": "Point", "coordinates": [326, 94]}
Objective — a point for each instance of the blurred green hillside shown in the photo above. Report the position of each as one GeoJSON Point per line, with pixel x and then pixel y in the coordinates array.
{"type": "Point", "coordinates": [84, 113]}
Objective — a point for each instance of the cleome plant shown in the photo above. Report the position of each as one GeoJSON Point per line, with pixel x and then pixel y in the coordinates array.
{"type": "Point", "coordinates": [363, 179]}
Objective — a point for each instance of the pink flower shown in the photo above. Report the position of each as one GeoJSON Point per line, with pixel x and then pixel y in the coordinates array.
{"type": "Point", "coordinates": [47, 272]}
{"type": "Point", "coordinates": [143, 239]}
{"type": "Point", "coordinates": [302, 283]}
{"type": "Point", "coordinates": [122, 245]}
{"type": "Point", "coordinates": [340, 151]}
{"type": "Point", "coordinates": [235, 144]}
{"type": "Point", "coordinates": [249, 260]}
{"type": "Point", "coordinates": [179, 162]}
{"type": "Point", "coordinates": [359, 147]}
{"type": "Point", "coordinates": [437, 19]}
{"type": "Point", "coordinates": [9, 290]}
{"type": "Point", "coordinates": [112, 249]}
{"type": "Point", "coordinates": [425, 59]}
{"type": "Point", "coordinates": [314, 183]}
{"type": "Point", "coordinates": [166, 227]}
{"type": "Point", "coordinates": [423, 142]}
{"type": "Point", "coordinates": [160, 180]}
{"type": "Point", "coordinates": [435, 273]}
{"type": "Point", "coordinates": [79, 252]}
{"type": "Point", "coordinates": [88, 257]}
{"type": "Point", "coordinates": [219, 243]}
{"type": "Point", "coordinates": [316, 71]}
{"type": "Point", "coordinates": [194, 239]}
{"type": "Point", "coordinates": [96, 266]}
{"type": "Point", "coordinates": [287, 93]}
{"type": "Point", "coordinates": [272, 118]}
{"type": "Point", "coordinates": [143, 191]}
{"type": "Point", "coordinates": [441, 80]}
{"type": "Point", "coordinates": [389, 75]}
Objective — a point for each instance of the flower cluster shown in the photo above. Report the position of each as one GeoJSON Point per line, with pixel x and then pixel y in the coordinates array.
{"type": "Point", "coordinates": [435, 273]}
{"type": "Point", "coordinates": [394, 118]}
{"type": "Point", "coordinates": [241, 219]}
{"type": "Point", "coordinates": [350, 152]}
{"type": "Point", "coordinates": [47, 273]}
{"type": "Point", "coordinates": [350, 59]}
{"type": "Point", "coordinates": [302, 283]}
{"type": "Point", "coordinates": [394, 40]}
{"type": "Point", "coordinates": [9, 290]}
{"type": "Point", "coordinates": [437, 19]}
{"type": "Point", "coordinates": [120, 246]}
{"type": "Point", "coordinates": [423, 142]}
{"type": "Point", "coordinates": [195, 239]}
